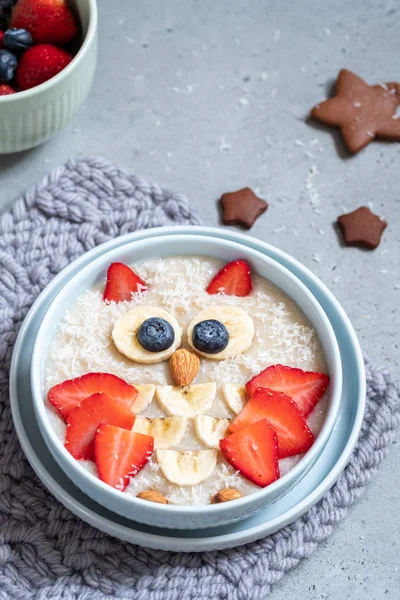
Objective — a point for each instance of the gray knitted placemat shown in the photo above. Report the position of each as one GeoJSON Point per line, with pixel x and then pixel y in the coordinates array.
{"type": "Point", "coordinates": [45, 551]}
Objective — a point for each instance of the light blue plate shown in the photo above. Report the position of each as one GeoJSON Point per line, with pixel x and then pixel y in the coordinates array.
{"type": "Point", "coordinates": [304, 495]}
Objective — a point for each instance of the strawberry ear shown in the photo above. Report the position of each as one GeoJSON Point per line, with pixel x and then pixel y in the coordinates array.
{"type": "Point", "coordinates": [122, 282]}
{"type": "Point", "coordinates": [232, 280]}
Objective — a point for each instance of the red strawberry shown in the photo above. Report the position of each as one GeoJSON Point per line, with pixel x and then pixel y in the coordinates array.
{"type": "Point", "coordinates": [68, 395]}
{"type": "Point", "coordinates": [120, 454]}
{"type": "Point", "coordinates": [48, 21]}
{"type": "Point", "coordinates": [83, 422]}
{"type": "Point", "coordinates": [40, 63]}
{"type": "Point", "coordinates": [233, 280]}
{"type": "Point", "coordinates": [294, 435]}
{"type": "Point", "coordinates": [254, 452]}
{"type": "Point", "coordinates": [305, 388]}
{"type": "Point", "coordinates": [122, 282]}
{"type": "Point", "coordinates": [5, 89]}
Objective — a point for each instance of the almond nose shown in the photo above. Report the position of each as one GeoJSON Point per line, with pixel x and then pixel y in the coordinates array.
{"type": "Point", "coordinates": [184, 366]}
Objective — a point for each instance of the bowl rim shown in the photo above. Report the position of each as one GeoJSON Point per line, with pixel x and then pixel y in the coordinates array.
{"type": "Point", "coordinates": [43, 87]}
{"type": "Point", "coordinates": [195, 510]}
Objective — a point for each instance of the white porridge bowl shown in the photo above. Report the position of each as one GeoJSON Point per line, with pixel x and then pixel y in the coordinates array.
{"type": "Point", "coordinates": [162, 246]}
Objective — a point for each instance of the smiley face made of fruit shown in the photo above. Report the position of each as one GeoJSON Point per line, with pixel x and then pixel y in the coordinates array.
{"type": "Point", "coordinates": [101, 409]}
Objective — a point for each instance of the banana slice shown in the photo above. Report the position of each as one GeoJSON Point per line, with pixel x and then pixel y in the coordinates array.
{"type": "Point", "coordinates": [124, 334]}
{"type": "Point", "coordinates": [145, 396]}
{"type": "Point", "coordinates": [187, 468]}
{"type": "Point", "coordinates": [235, 396]}
{"type": "Point", "coordinates": [187, 401]}
{"type": "Point", "coordinates": [167, 432]}
{"type": "Point", "coordinates": [238, 323]}
{"type": "Point", "coordinates": [210, 430]}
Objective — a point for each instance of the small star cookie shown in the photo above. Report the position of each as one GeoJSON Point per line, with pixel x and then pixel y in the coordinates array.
{"type": "Point", "coordinates": [242, 208]}
{"type": "Point", "coordinates": [362, 228]}
{"type": "Point", "coordinates": [361, 112]}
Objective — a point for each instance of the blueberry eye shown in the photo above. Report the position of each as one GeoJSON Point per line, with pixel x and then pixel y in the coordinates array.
{"type": "Point", "coordinates": [155, 335]}
{"type": "Point", "coordinates": [210, 336]}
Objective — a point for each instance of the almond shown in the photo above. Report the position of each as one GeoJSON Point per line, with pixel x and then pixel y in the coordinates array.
{"type": "Point", "coordinates": [152, 496]}
{"type": "Point", "coordinates": [226, 495]}
{"type": "Point", "coordinates": [184, 366]}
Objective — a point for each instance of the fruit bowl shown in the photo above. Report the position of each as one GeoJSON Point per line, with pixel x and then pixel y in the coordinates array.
{"type": "Point", "coordinates": [172, 516]}
{"type": "Point", "coordinates": [29, 118]}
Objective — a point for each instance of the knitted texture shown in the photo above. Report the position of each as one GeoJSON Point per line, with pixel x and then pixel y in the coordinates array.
{"type": "Point", "coordinates": [45, 551]}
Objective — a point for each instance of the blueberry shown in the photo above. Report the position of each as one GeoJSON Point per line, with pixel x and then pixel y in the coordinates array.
{"type": "Point", "coordinates": [7, 4]}
{"type": "Point", "coordinates": [210, 336]}
{"type": "Point", "coordinates": [17, 40]}
{"type": "Point", "coordinates": [8, 65]}
{"type": "Point", "coordinates": [6, 7]}
{"type": "Point", "coordinates": [155, 335]}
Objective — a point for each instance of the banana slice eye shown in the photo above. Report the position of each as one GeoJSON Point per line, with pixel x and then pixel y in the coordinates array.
{"type": "Point", "coordinates": [207, 337]}
{"type": "Point", "coordinates": [147, 334]}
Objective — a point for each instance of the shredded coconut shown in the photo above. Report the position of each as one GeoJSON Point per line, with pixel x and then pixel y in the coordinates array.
{"type": "Point", "coordinates": [309, 185]}
{"type": "Point", "coordinates": [224, 146]}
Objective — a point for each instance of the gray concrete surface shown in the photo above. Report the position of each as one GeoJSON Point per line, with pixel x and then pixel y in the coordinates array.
{"type": "Point", "coordinates": [206, 97]}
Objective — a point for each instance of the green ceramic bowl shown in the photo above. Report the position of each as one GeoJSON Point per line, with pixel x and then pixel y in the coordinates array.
{"type": "Point", "coordinates": [31, 117]}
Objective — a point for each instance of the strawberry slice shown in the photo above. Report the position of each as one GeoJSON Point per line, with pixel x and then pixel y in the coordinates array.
{"type": "Point", "coordinates": [68, 395]}
{"type": "Point", "coordinates": [232, 280]}
{"type": "Point", "coordinates": [122, 282]}
{"type": "Point", "coordinates": [305, 388]}
{"type": "Point", "coordinates": [294, 435]}
{"type": "Point", "coordinates": [254, 452]}
{"type": "Point", "coordinates": [120, 454]}
{"type": "Point", "coordinates": [83, 422]}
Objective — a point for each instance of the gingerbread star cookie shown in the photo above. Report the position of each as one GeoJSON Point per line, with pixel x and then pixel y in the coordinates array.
{"type": "Point", "coordinates": [362, 228]}
{"type": "Point", "coordinates": [242, 208]}
{"type": "Point", "coordinates": [361, 112]}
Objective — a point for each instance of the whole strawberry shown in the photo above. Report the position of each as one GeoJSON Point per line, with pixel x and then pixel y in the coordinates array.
{"type": "Point", "coordinates": [48, 21]}
{"type": "Point", "coordinates": [40, 63]}
{"type": "Point", "coordinates": [6, 90]}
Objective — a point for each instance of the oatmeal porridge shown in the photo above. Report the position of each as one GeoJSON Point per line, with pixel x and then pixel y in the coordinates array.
{"type": "Point", "coordinates": [225, 334]}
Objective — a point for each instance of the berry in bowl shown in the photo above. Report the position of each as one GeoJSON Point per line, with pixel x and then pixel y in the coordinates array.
{"type": "Point", "coordinates": [47, 61]}
{"type": "Point", "coordinates": [184, 390]}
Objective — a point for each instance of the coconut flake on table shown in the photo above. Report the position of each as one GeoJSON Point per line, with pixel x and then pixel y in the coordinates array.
{"type": "Point", "coordinates": [312, 192]}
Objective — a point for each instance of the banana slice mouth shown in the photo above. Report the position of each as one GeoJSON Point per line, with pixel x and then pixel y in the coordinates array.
{"type": "Point", "coordinates": [125, 334]}
{"type": "Point", "coordinates": [235, 396]}
{"type": "Point", "coordinates": [166, 431]}
{"type": "Point", "coordinates": [187, 468]}
{"type": "Point", "coordinates": [145, 396]}
{"type": "Point", "coordinates": [187, 401]}
{"type": "Point", "coordinates": [238, 324]}
{"type": "Point", "coordinates": [210, 430]}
